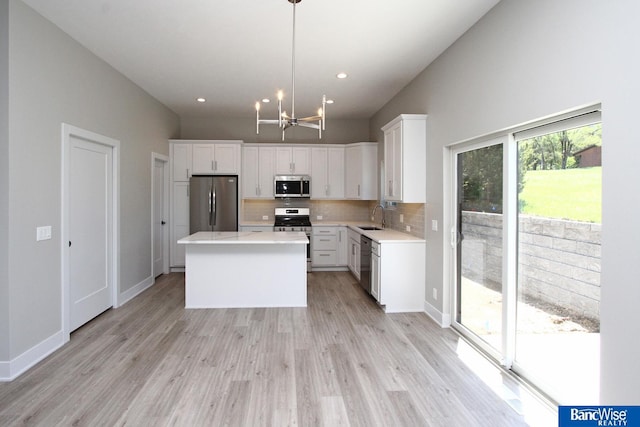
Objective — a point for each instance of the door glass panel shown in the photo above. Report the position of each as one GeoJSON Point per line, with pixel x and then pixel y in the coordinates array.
{"type": "Point", "coordinates": [558, 290]}
{"type": "Point", "coordinates": [479, 248]}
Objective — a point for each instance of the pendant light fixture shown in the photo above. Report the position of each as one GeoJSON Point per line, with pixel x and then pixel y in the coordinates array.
{"type": "Point", "coordinates": [285, 121]}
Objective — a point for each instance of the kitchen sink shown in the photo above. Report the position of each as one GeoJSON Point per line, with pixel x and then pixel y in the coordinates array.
{"type": "Point", "coordinates": [368, 227]}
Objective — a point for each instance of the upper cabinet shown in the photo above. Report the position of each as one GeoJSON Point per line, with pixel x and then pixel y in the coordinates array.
{"type": "Point", "coordinates": [216, 158]}
{"type": "Point", "coordinates": [181, 168]}
{"type": "Point", "coordinates": [327, 172]}
{"type": "Point", "coordinates": [258, 169]}
{"type": "Point", "coordinates": [405, 159]}
{"type": "Point", "coordinates": [361, 171]}
{"type": "Point", "coordinates": [293, 160]}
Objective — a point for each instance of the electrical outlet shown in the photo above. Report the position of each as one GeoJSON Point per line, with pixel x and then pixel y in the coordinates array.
{"type": "Point", "coordinates": [401, 218]}
{"type": "Point", "coordinates": [435, 294]}
{"type": "Point", "coordinates": [434, 224]}
{"type": "Point", "coordinates": [265, 217]}
{"type": "Point", "coordinates": [319, 217]}
{"type": "Point", "coordinates": [408, 228]}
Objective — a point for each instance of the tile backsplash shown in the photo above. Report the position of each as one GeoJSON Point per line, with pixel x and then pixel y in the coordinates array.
{"type": "Point", "coordinates": [345, 210]}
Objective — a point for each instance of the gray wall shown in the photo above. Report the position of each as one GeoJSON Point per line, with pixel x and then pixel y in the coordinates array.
{"type": "Point", "coordinates": [523, 61]}
{"type": "Point", "coordinates": [244, 128]}
{"type": "Point", "coordinates": [4, 179]}
{"type": "Point", "coordinates": [53, 79]}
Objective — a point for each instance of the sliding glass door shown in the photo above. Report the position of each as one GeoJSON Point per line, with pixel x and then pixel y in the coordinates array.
{"type": "Point", "coordinates": [527, 253]}
{"type": "Point", "coordinates": [479, 243]}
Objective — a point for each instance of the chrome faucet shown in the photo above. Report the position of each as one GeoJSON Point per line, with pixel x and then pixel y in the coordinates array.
{"type": "Point", "coordinates": [373, 214]}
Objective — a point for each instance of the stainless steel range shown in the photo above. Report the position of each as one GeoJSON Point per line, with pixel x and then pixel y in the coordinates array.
{"type": "Point", "coordinates": [294, 219]}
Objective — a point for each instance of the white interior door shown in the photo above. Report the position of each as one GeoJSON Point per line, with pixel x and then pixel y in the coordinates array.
{"type": "Point", "coordinates": [159, 215]}
{"type": "Point", "coordinates": [90, 229]}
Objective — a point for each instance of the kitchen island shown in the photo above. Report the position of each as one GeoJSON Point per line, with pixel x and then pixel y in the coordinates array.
{"type": "Point", "coordinates": [231, 269]}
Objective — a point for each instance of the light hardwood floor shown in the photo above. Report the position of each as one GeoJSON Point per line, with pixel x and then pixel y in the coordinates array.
{"type": "Point", "coordinates": [340, 361]}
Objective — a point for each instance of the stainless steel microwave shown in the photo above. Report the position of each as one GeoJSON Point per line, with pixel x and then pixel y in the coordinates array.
{"type": "Point", "coordinates": [285, 186]}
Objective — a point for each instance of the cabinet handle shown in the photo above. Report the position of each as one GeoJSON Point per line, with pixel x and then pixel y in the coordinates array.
{"type": "Point", "coordinates": [215, 165]}
{"type": "Point", "coordinates": [325, 240]}
{"type": "Point", "coordinates": [390, 187]}
{"type": "Point", "coordinates": [257, 190]}
{"type": "Point", "coordinates": [358, 190]}
{"type": "Point", "coordinates": [187, 172]}
{"type": "Point", "coordinates": [292, 167]}
{"type": "Point", "coordinates": [325, 255]}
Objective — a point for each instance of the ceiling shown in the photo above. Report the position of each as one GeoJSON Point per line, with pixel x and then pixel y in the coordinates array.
{"type": "Point", "coordinates": [236, 52]}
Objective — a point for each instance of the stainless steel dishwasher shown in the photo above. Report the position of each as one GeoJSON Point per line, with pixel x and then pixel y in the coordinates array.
{"type": "Point", "coordinates": [365, 263]}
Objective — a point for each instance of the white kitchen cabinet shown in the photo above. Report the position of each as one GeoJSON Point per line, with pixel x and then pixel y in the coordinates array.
{"type": "Point", "coordinates": [216, 158]}
{"type": "Point", "coordinates": [327, 173]}
{"type": "Point", "coordinates": [342, 246]}
{"type": "Point", "coordinates": [361, 171]}
{"type": "Point", "coordinates": [293, 160]}
{"type": "Point", "coordinates": [405, 159]}
{"type": "Point", "coordinates": [328, 246]}
{"type": "Point", "coordinates": [181, 162]}
{"type": "Point", "coordinates": [258, 169]}
{"type": "Point", "coordinates": [179, 222]}
{"type": "Point", "coordinates": [399, 278]}
{"type": "Point", "coordinates": [354, 253]}
{"type": "Point", "coordinates": [375, 270]}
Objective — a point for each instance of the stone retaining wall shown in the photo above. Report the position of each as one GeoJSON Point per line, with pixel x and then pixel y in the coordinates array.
{"type": "Point", "coordinates": [559, 261]}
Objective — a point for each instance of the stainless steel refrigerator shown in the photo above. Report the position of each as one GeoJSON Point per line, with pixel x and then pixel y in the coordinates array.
{"type": "Point", "coordinates": [213, 203]}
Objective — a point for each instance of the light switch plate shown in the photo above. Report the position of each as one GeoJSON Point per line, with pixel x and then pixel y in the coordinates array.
{"type": "Point", "coordinates": [265, 217]}
{"type": "Point", "coordinates": [43, 233]}
{"type": "Point", "coordinates": [401, 218]}
{"type": "Point", "coordinates": [408, 228]}
{"type": "Point", "coordinates": [434, 225]}
{"type": "Point", "coordinates": [319, 217]}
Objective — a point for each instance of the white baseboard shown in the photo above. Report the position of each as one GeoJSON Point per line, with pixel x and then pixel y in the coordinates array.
{"type": "Point", "coordinates": [9, 371]}
{"type": "Point", "coordinates": [444, 320]}
{"type": "Point", "coordinates": [130, 294]}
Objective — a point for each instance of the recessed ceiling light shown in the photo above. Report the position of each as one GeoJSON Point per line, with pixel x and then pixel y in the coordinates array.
{"type": "Point", "coordinates": [342, 75]}
{"type": "Point", "coordinates": [201, 100]}
{"type": "Point", "coordinates": [265, 100]}
{"type": "Point", "coordinates": [329, 101]}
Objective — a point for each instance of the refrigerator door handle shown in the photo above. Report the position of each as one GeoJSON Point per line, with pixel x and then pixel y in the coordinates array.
{"type": "Point", "coordinates": [210, 203]}
{"type": "Point", "coordinates": [213, 210]}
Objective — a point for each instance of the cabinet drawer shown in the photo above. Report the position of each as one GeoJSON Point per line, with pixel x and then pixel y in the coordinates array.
{"type": "Point", "coordinates": [323, 257]}
{"type": "Point", "coordinates": [324, 243]}
{"type": "Point", "coordinates": [324, 231]}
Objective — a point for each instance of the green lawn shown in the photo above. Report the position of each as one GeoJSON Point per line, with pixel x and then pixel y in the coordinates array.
{"type": "Point", "coordinates": [574, 194]}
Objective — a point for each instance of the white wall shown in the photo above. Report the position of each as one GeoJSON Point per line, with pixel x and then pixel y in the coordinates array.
{"type": "Point", "coordinates": [529, 59]}
{"type": "Point", "coordinates": [53, 79]}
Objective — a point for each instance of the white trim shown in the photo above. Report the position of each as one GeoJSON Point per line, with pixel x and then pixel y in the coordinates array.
{"type": "Point", "coordinates": [11, 370]}
{"type": "Point", "coordinates": [67, 132]}
{"type": "Point", "coordinates": [165, 210]}
{"type": "Point", "coordinates": [442, 319]}
{"type": "Point", "coordinates": [136, 290]}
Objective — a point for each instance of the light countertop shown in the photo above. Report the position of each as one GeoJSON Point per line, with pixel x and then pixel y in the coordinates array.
{"type": "Point", "coordinates": [239, 237]}
{"type": "Point", "coordinates": [381, 236]}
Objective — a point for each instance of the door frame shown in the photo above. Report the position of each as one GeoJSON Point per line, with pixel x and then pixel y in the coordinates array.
{"type": "Point", "coordinates": [68, 131]}
{"type": "Point", "coordinates": [165, 210]}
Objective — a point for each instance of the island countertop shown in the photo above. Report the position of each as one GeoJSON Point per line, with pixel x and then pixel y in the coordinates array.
{"type": "Point", "coordinates": [243, 237]}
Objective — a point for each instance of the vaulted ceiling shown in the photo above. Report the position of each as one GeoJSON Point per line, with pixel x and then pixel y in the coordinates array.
{"type": "Point", "coordinates": [236, 52]}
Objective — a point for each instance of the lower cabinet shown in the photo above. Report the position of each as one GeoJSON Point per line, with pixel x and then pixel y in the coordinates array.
{"type": "Point", "coordinates": [328, 246]}
{"type": "Point", "coordinates": [179, 222]}
{"type": "Point", "coordinates": [353, 253]}
{"type": "Point", "coordinates": [375, 270]}
{"type": "Point", "coordinates": [398, 276]}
